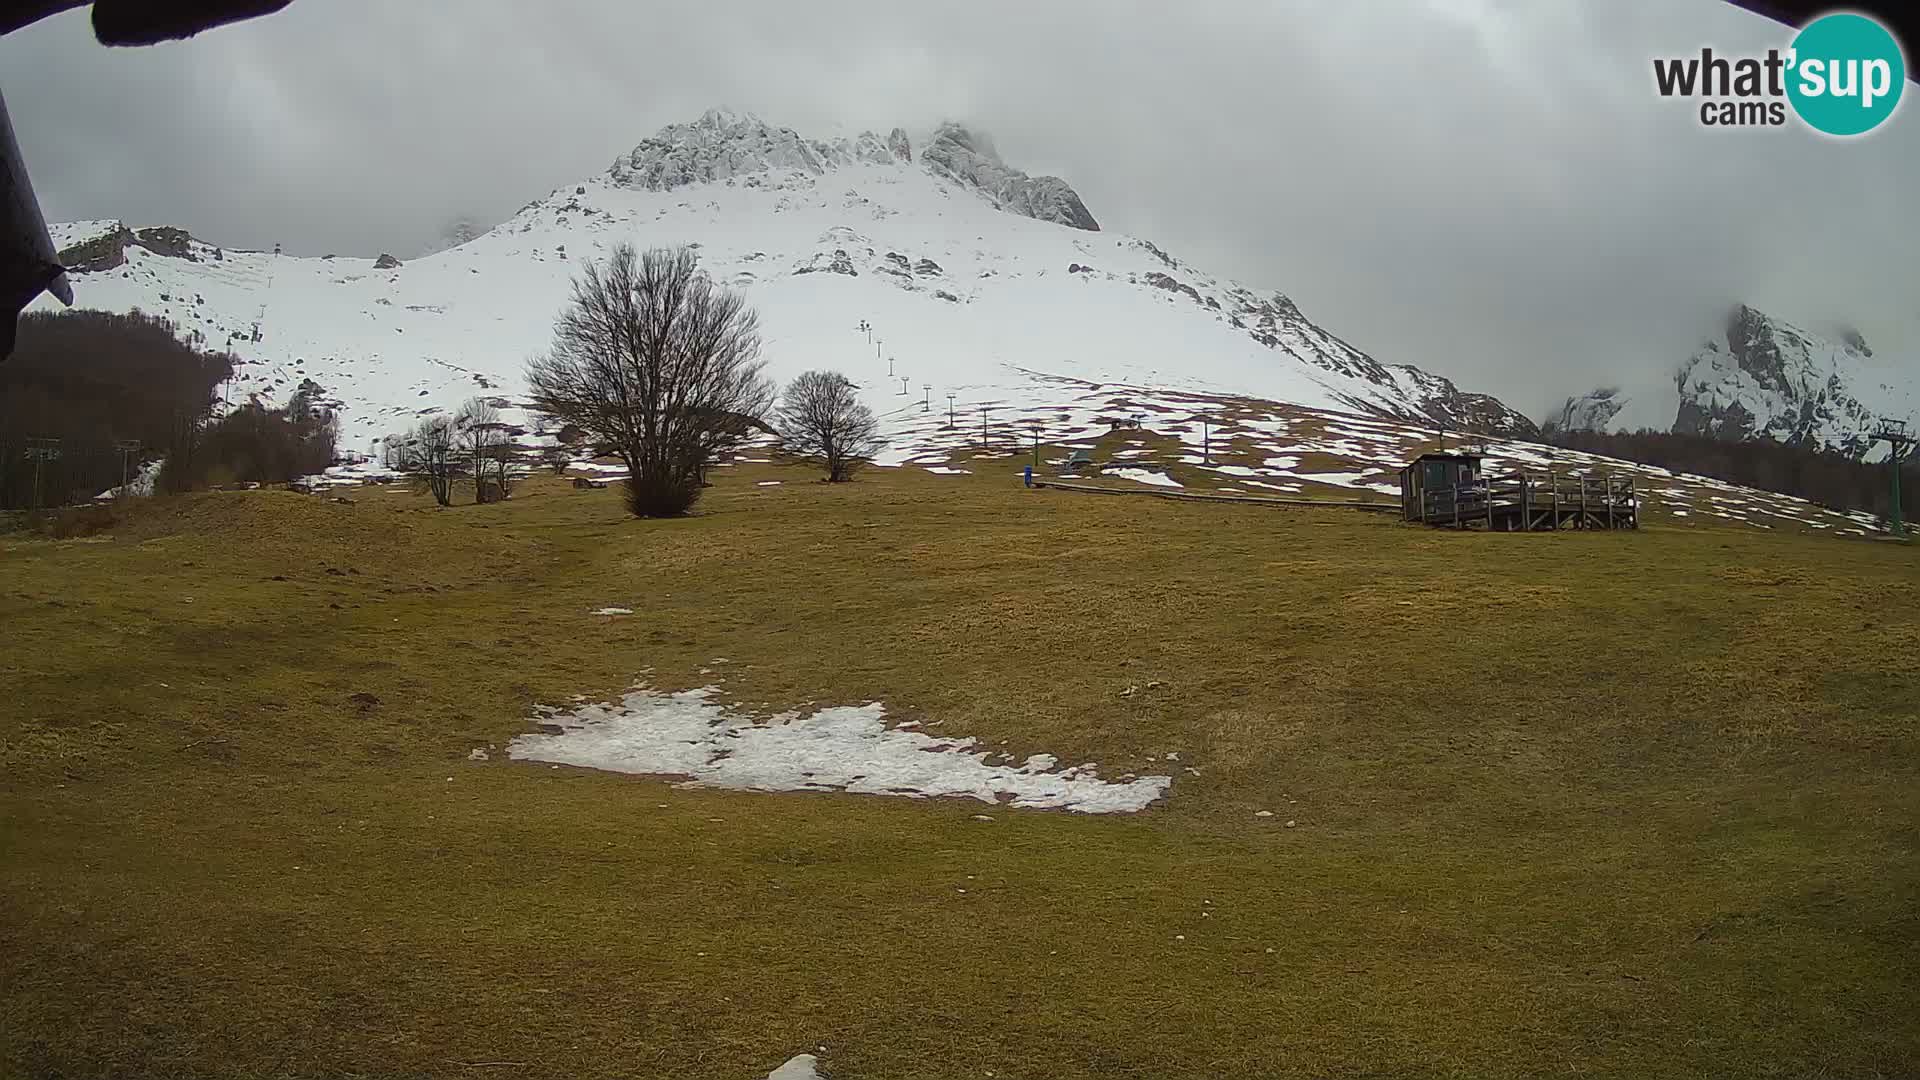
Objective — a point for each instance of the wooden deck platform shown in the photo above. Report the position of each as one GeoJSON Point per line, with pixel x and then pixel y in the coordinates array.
{"type": "Point", "coordinates": [1207, 496]}
{"type": "Point", "coordinates": [1531, 502]}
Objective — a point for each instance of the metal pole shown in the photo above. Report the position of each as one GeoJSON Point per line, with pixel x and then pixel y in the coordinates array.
{"type": "Point", "coordinates": [127, 448]}
{"type": "Point", "coordinates": [949, 410]}
{"type": "Point", "coordinates": [1894, 434]}
{"type": "Point", "coordinates": [42, 450]}
{"type": "Point", "coordinates": [889, 367]}
{"type": "Point", "coordinates": [983, 427]}
{"type": "Point", "coordinates": [926, 396]}
{"type": "Point", "coordinates": [1898, 518]}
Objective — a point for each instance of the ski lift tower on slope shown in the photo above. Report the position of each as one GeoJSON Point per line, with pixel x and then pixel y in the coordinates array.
{"type": "Point", "coordinates": [1899, 441]}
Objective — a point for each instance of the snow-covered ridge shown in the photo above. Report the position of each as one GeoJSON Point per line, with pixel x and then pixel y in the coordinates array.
{"type": "Point", "coordinates": [969, 158]}
{"type": "Point", "coordinates": [1771, 379]}
{"type": "Point", "coordinates": [1592, 411]}
{"type": "Point", "coordinates": [724, 145]}
{"type": "Point", "coordinates": [964, 297]}
{"type": "Point", "coordinates": [1763, 378]}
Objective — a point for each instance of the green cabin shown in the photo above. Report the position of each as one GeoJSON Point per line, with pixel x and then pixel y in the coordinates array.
{"type": "Point", "coordinates": [1435, 472]}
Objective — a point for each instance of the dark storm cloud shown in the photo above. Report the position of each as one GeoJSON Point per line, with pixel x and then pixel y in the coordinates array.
{"type": "Point", "coordinates": [1488, 189]}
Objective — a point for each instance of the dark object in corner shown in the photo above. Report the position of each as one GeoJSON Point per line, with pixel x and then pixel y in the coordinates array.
{"type": "Point", "coordinates": [28, 266]}
{"type": "Point", "coordinates": [144, 22]}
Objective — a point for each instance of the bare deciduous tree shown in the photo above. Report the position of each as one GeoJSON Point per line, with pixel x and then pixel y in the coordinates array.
{"type": "Point", "coordinates": [654, 361]}
{"type": "Point", "coordinates": [499, 472]}
{"type": "Point", "coordinates": [487, 443]}
{"type": "Point", "coordinates": [430, 455]}
{"type": "Point", "coordinates": [821, 417]}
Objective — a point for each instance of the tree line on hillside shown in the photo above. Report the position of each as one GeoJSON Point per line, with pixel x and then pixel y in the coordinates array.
{"type": "Point", "coordinates": [90, 398]}
{"type": "Point", "coordinates": [473, 444]}
{"type": "Point", "coordinates": [1820, 476]}
{"type": "Point", "coordinates": [652, 362]}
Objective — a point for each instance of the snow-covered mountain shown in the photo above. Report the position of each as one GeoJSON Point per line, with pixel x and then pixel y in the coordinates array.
{"type": "Point", "coordinates": [1764, 378]}
{"type": "Point", "coordinates": [978, 281]}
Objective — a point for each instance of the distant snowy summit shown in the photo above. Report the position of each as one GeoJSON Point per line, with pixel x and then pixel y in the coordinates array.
{"type": "Point", "coordinates": [728, 145]}
{"type": "Point", "coordinates": [922, 265]}
{"type": "Point", "coordinates": [1763, 378]}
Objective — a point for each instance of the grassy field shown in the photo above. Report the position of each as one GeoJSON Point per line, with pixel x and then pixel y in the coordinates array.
{"type": "Point", "coordinates": [1636, 804]}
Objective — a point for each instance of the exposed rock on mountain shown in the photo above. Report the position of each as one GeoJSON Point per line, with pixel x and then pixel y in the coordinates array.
{"type": "Point", "coordinates": [1764, 378]}
{"type": "Point", "coordinates": [970, 159]}
{"type": "Point", "coordinates": [1592, 411]}
{"type": "Point", "coordinates": [105, 251]}
{"type": "Point", "coordinates": [1772, 380]}
{"type": "Point", "coordinates": [899, 145]}
{"type": "Point", "coordinates": [724, 144]}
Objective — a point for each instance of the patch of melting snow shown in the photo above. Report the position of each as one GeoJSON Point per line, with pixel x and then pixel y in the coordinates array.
{"type": "Point", "coordinates": [611, 611]}
{"type": "Point", "coordinates": [1144, 476]}
{"type": "Point", "coordinates": [798, 1067]}
{"type": "Point", "coordinates": [945, 471]}
{"type": "Point", "coordinates": [1350, 480]}
{"type": "Point", "coordinates": [843, 748]}
{"type": "Point", "coordinates": [769, 483]}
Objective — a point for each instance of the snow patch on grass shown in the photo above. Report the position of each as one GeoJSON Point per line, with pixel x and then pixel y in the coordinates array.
{"type": "Point", "coordinates": [843, 748]}
{"type": "Point", "coordinates": [798, 1067]}
{"type": "Point", "coordinates": [1144, 476]}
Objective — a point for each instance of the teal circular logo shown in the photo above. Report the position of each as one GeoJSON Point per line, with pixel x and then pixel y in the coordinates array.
{"type": "Point", "coordinates": [1846, 74]}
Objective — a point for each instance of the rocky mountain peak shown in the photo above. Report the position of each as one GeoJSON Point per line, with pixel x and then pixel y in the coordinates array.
{"type": "Point", "coordinates": [1761, 378]}
{"type": "Point", "coordinates": [720, 145]}
{"type": "Point", "coordinates": [727, 145]}
{"type": "Point", "coordinates": [104, 246]}
{"type": "Point", "coordinates": [968, 158]}
{"type": "Point", "coordinates": [1592, 411]}
{"type": "Point", "coordinates": [899, 145]}
{"type": "Point", "coordinates": [1770, 379]}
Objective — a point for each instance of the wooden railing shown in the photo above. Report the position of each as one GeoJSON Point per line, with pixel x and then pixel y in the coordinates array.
{"type": "Point", "coordinates": [1534, 501]}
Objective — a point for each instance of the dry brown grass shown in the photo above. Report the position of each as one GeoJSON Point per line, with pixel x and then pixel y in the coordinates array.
{"type": "Point", "coordinates": [1606, 804]}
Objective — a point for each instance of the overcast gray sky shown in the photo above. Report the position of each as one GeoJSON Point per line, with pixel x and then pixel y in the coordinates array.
{"type": "Point", "coordinates": [1487, 188]}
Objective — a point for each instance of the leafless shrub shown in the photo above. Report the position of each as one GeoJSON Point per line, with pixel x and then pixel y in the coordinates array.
{"type": "Point", "coordinates": [658, 364]}
{"type": "Point", "coordinates": [431, 455]}
{"type": "Point", "coordinates": [821, 417]}
{"type": "Point", "coordinates": [487, 444]}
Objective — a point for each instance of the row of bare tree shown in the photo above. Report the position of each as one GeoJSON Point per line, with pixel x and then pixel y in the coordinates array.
{"type": "Point", "coordinates": [653, 363]}
{"type": "Point", "coordinates": [473, 442]}
{"type": "Point", "coordinates": [660, 366]}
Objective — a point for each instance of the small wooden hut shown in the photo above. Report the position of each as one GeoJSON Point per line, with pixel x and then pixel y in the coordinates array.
{"type": "Point", "coordinates": [1451, 490]}
{"type": "Point", "coordinates": [1434, 472]}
